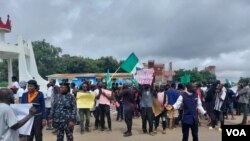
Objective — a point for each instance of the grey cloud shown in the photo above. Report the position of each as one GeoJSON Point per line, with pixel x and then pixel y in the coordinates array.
{"type": "Point", "coordinates": [190, 33]}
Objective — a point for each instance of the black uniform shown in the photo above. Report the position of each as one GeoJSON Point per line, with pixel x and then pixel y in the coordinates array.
{"type": "Point", "coordinates": [63, 111]}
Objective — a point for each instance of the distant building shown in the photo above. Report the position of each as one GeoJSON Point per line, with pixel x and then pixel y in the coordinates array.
{"type": "Point", "coordinates": [210, 69]}
{"type": "Point", "coordinates": [161, 76]}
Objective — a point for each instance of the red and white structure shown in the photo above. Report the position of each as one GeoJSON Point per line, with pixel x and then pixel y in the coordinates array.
{"type": "Point", "coordinates": [23, 51]}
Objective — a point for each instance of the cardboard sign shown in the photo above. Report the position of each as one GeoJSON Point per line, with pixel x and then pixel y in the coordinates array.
{"type": "Point", "coordinates": [85, 100]}
{"type": "Point", "coordinates": [145, 76]}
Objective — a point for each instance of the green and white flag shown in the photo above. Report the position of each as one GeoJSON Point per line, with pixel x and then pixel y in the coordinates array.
{"type": "Point", "coordinates": [185, 79]}
{"type": "Point", "coordinates": [129, 64]}
{"type": "Point", "coordinates": [108, 80]}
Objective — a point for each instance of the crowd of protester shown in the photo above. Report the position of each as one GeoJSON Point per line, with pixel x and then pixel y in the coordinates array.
{"type": "Point", "coordinates": [180, 105]}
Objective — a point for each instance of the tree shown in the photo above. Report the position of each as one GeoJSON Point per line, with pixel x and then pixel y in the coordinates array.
{"type": "Point", "coordinates": [4, 69]}
{"type": "Point", "coordinates": [196, 76]}
{"type": "Point", "coordinates": [46, 56]}
{"type": "Point", "coordinates": [49, 61]}
{"type": "Point", "coordinates": [105, 63]}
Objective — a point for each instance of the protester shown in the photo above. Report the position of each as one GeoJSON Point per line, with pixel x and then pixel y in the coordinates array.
{"type": "Point", "coordinates": [63, 113]}
{"type": "Point", "coordinates": [47, 96]}
{"type": "Point", "coordinates": [173, 95]}
{"type": "Point", "coordinates": [220, 95]}
{"type": "Point", "coordinates": [119, 104]}
{"type": "Point", "coordinates": [54, 94]}
{"type": "Point", "coordinates": [36, 97]}
{"type": "Point", "coordinates": [146, 108]}
{"type": "Point", "coordinates": [14, 87]}
{"type": "Point", "coordinates": [191, 103]}
{"type": "Point", "coordinates": [73, 89]}
{"type": "Point", "coordinates": [84, 113]}
{"type": "Point", "coordinates": [210, 102]}
{"type": "Point", "coordinates": [162, 98]}
{"type": "Point", "coordinates": [21, 90]}
{"type": "Point", "coordinates": [181, 89]}
{"type": "Point", "coordinates": [200, 93]}
{"type": "Point", "coordinates": [244, 96]}
{"type": "Point", "coordinates": [55, 91]}
{"type": "Point", "coordinates": [104, 104]}
{"type": "Point", "coordinates": [128, 101]}
{"type": "Point", "coordinates": [230, 103]}
{"type": "Point", "coordinates": [8, 120]}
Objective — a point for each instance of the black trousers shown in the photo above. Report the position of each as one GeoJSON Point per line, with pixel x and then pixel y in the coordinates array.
{"type": "Point", "coordinates": [238, 108]}
{"type": "Point", "coordinates": [105, 111]}
{"type": "Point", "coordinates": [163, 119]}
{"type": "Point", "coordinates": [218, 116]}
{"type": "Point", "coordinates": [120, 112]}
{"type": "Point", "coordinates": [147, 115]}
{"type": "Point", "coordinates": [128, 113]}
{"type": "Point", "coordinates": [37, 129]}
{"type": "Point", "coordinates": [185, 131]}
{"type": "Point", "coordinates": [97, 117]}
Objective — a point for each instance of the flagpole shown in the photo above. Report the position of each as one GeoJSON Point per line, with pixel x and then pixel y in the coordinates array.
{"type": "Point", "coordinates": [114, 73]}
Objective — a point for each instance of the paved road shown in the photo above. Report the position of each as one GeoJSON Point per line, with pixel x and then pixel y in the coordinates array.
{"type": "Point", "coordinates": [119, 127]}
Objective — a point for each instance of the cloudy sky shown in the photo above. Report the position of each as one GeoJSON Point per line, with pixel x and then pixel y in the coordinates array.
{"type": "Point", "coordinates": [189, 33]}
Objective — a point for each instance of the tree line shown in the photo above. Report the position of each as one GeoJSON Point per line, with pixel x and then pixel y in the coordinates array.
{"type": "Point", "coordinates": [50, 60]}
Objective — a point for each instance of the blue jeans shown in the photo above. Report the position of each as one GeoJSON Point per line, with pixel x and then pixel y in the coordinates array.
{"type": "Point", "coordinates": [82, 112]}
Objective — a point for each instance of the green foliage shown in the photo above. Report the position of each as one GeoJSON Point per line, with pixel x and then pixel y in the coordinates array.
{"type": "Point", "coordinates": [46, 57]}
{"type": "Point", "coordinates": [196, 76]}
{"type": "Point", "coordinates": [4, 84]}
{"type": "Point", "coordinates": [50, 62]}
{"type": "Point", "coordinates": [4, 69]}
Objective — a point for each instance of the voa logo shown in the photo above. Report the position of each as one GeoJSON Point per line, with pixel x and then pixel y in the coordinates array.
{"type": "Point", "coordinates": [236, 132]}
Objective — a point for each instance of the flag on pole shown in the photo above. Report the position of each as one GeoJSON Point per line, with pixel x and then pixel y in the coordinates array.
{"type": "Point", "coordinates": [185, 78]}
{"type": "Point", "coordinates": [108, 80]}
{"type": "Point", "coordinates": [129, 64]}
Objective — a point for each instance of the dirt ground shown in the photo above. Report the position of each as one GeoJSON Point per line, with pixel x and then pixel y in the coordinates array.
{"type": "Point", "coordinates": [118, 127]}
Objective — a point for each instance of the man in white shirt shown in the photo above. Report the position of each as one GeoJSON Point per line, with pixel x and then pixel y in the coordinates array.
{"type": "Point", "coordinates": [220, 95]}
{"type": "Point", "coordinates": [21, 90]}
{"type": "Point", "coordinates": [47, 96]}
{"type": "Point", "coordinates": [190, 102]}
{"type": "Point", "coordinates": [8, 120]}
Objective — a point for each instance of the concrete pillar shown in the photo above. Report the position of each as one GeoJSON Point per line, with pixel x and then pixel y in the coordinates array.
{"type": "Point", "coordinates": [2, 37]}
{"type": "Point", "coordinates": [10, 71]}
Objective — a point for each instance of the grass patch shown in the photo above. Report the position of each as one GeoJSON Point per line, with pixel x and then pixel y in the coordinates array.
{"type": "Point", "coordinates": [3, 84]}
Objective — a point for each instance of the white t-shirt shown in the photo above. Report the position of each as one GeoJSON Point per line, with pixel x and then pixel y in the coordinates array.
{"type": "Point", "coordinates": [47, 96]}
{"type": "Point", "coordinates": [7, 119]}
{"type": "Point", "coordinates": [96, 91]}
{"type": "Point", "coordinates": [15, 84]}
{"type": "Point", "coordinates": [20, 92]}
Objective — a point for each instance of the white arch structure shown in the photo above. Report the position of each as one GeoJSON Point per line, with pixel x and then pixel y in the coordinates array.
{"type": "Point", "coordinates": [23, 51]}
